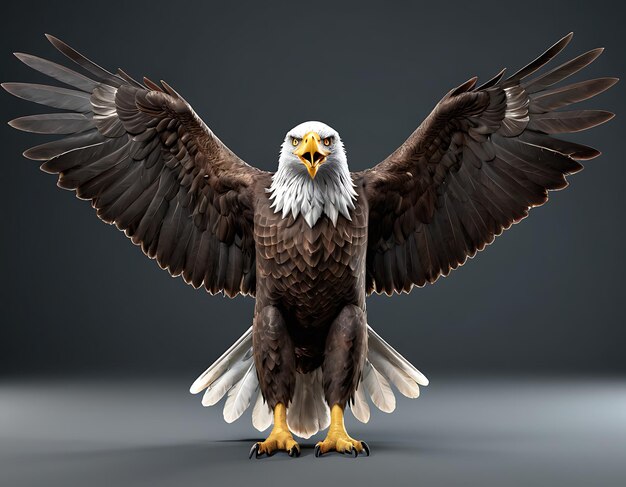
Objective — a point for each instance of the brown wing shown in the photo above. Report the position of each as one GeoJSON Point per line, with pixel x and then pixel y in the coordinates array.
{"type": "Point", "coordinates": [475, 166]}
{"type": "Point", "coordinates": [151, 167]}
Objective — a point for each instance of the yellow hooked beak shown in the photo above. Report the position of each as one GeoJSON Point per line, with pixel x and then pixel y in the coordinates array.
{"type": "Point", "coordinates": [311, 153]}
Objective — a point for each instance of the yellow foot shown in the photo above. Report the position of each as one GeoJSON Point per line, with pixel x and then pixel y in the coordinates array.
{"type": "Point", "coordinates": [279, 439]}
{"type": "Point", "coordinates": [338, 439]}
{"type": "Point", "coordinates": [341, 444]}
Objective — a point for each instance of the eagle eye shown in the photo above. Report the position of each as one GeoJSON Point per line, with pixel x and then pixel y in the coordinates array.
{"type": "Point", "coordinates": [327, 141]}
{"type": "Point", "coordinates": [294, 141]}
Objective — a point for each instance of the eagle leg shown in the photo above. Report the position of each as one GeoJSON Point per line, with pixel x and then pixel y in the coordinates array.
{"type": "Point", "coordinates": [279, 439]}
{"type": "Point", "coordinates": [274, 358]}
{"type": "Point", "coordinates": [344, 357]}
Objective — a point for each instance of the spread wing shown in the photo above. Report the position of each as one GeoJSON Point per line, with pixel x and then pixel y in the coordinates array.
{"type": "Point", "coordinates": [150, 166]}
{"type": "Point", "coordinates": [475, 166]}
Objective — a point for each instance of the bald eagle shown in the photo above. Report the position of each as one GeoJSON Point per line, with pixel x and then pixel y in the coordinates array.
{"type": "Point", "coordinates": [312, 240]}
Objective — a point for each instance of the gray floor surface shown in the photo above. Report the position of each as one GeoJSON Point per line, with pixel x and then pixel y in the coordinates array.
{"type": "Point", "coordinates": [504, 432]}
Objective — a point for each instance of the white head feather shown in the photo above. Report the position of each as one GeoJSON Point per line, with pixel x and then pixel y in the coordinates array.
{"type": "Point", "coordinates": [331, 192]}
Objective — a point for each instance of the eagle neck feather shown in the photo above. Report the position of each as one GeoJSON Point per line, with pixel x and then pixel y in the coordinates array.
{"type": "Point", "coordinates": [331, 193]}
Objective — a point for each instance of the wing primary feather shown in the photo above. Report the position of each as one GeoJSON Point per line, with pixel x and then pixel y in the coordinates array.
{"type": "Point", "coordinates": [53, 123]}
{"type": "Point", "coordinates": [82, 155]}
{"type": "Point", "coordinates": [533, 66]}
{"type": "Point", "coordinates": [82, 61]}
{"type": "Point", "coordinates": [55, 148]}
{"type": "Point", "coordinates": [575, 151]}
{"type": "Point", "coordinates": [493, 81]}
{"type": "Point", "coordinates": [58, 72]}
{"type": "Point", "coordinates": [51, 96]}
{"type": "Point", "coordinates": [563, 96]}
{"type": "Point", "coordinates": [568, 122]}
{"type": "Point", "coordinates": [170, 90]}
{"type": "Point", "coordinates": [123, 74]}
{"type": "Point", "coordinates": [561, 72]}
{"type": "Point", "coordinates": [467, 86]}
{"type": "Point", "coordinates": [151, 85]}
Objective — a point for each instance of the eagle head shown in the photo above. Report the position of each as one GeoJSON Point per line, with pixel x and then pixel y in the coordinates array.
{"type": "Point", "coordinates": [311, 146]}
{"type": "Point", "coordinates": [313, 178]}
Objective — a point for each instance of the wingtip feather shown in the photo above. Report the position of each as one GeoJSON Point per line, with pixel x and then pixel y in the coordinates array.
{"type": "Point", "coordinates": [592, 154]}
{"type": "Point", "coordinates": [55, 41]}
{"type": "Point", "coordinates": [561, 43]}
{"type": "Point", "coordinates": [151, 85]}
{"type": "Point", "coordinates": [27, 154]}
{"type": "Point", "coordinates": [542, 60]}
{"type": "Point", "coordinates": [169, 89]}
{"type": "Point", "coordinates": [464, 87]}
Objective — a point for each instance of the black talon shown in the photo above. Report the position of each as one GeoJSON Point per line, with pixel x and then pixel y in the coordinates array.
{"type": "Point", "coordinates": [254, 451]}
{"type": "Point", "coordinates": [366, 448]}
{"type": "Point", "coordinates": [318, 451]}
{"type": "Point", "coordinates": [354, 452]}
{"type": "Point", "coordinates": [294, 451]}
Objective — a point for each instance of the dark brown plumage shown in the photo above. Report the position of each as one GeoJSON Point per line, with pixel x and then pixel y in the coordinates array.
{"type": "Point", "coordinates": [308, 276]}
{"type": "Point", "coordinates": [149, 165]}
{"type": "Point", "coordinates": [475, 166]}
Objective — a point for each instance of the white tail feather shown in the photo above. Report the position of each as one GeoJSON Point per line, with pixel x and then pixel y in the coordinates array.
{"type": "Point", "coordinates": [233, 354]}
{"type": "Point", "coordinates": [240, 396]}
{"type": "Point", "coordinates": [407, 386]}
{"type": "Point", "coordinates": [308, 413]}
{"type": "Point", "coordinates": [234, 373]}
{"type": "Point", "coordinates": [376, 343]}
{"type": "Point", "coordinates": [261, 414]}
{"type": "Point", "coordinates": [224, 383]}
{"type": "Point", "coordinates": [360, 409]}
{"type": "Point", "coordinates": [378, 389]}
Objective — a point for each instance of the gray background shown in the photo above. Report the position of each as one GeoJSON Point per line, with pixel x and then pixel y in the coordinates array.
{"type": "Point", "coordinates": [80, 303]}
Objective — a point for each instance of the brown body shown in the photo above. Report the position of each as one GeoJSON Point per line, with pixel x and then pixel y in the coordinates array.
{"type": "Point", "coordinates": [306, 277]}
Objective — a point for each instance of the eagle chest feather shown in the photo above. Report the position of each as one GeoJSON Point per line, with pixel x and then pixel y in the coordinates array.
{"type": "Point", "coordinates": [310, 272]}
